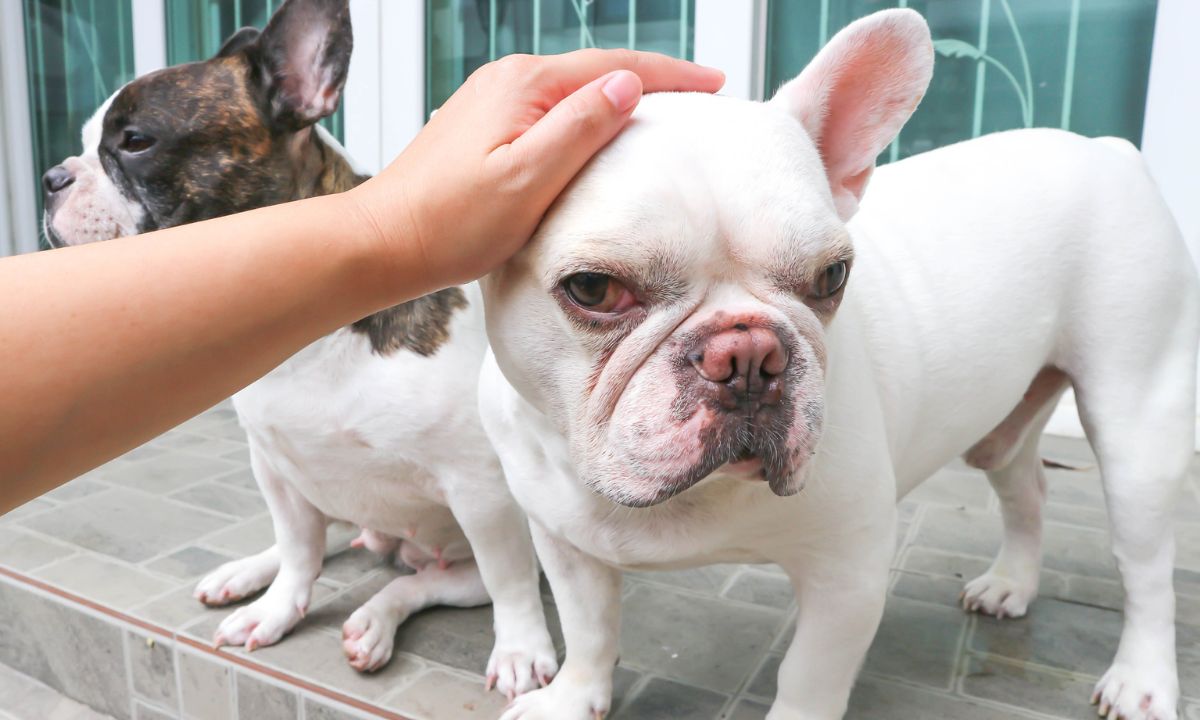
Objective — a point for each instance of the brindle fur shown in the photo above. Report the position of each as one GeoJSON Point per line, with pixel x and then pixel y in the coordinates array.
{"type": "Point", "coordinates": [220, 152]}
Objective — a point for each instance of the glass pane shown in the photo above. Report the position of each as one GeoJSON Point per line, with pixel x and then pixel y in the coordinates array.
{"type": "Point", "coordinates": [461, 35]}
{"type": "Point", "coordinates": [78, 53]}
{"type": "Point", "coordinates": [197, 28]}
{"type": "Point", "coordinates": [1001, 64]}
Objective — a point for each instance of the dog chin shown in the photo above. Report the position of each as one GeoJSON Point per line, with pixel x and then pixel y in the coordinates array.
{"type": "Point", "coordinates": [783, 478]}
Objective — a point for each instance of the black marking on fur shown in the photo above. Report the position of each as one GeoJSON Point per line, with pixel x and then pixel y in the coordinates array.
{"type": "Point", "coordinates": [421, 325]}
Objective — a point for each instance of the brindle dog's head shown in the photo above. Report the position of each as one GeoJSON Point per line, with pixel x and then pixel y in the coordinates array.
{"type": "Point", "coordinates": [206, 139]}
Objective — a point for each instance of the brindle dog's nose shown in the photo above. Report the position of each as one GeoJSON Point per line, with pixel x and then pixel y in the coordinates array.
{"type": "Point", "coordinates": [747, 363]}
{"type": "Point", "coordinates": [56, 179]}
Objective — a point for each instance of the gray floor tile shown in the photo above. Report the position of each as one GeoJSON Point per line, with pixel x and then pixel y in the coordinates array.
{"type": "Point", "coordinates": [749, 710]}
{"type": "Point", "coordinates": [223, 499]}
{"type": "Point", "coordinates": [263, 701]}
{"type": "Point", "coordinates": [938, 590]}
{"type": "Point", "coordinates": [658, 634]}
{"type": "Point", "coordinates": [762, 588]}
{"type": "Point", "coordinates": [207, 688]}
{"type": "Point", "coordinates": [957, 488]}
{"type": "Point", "coordinates": [105, 581]}
{"type": "Point", "coordinates": [314, 710]}
{"type": "Point", "coordinates": [152, 667]}
{"type": "Point", "coordinates": [174, 611]}
{"type": "Point", "coordinates": [351, 565]}
{"type": "Point", "coordinates": [1076, 515]}
{"type": "Point", "coordinates": [458, 637]}
{"type": "Point", "coordinates": [1059, 695]}
{"type": "Point", "coordinates": [1069, 450]}
{"type": "Point", "coordinates": [190, 563]}
{"type": "Point", "coordinates": [76, 654]}
{"type": "Point", "coordinates": [1058, 634]}
{"type": "Point", "coordinates": [917, 642]}
{"type": "Point", "coordinates": [24, 698]}
{"type": "Point", "coordinates": [74, 490]}
{"type": "Point", "coordinates": [30, 508]}
{"type": "Point", "coordinates": [245, 538]}
{"type": "Point", "coordinates": [441, 693]}
{"type": "Point", "coordinates": [766, 681]}
{"type": "Point", "coordinates": [23, 551]}
{"type": "Point", "coordinates": [708, 579]}
{"type": "Point", "coordinates": [142, 711]}
{"type": "Point", "coordinates": [667, 700]}
{"type": "Point", "coordinates": [170, 471]}
{"type": "Point", "coordinates": [124, 524]}
{"type": "Point", "coordinates": [624, 681]}
{"type": "Point", "coordinates": [875, 699]}
{"type": "Point", "coordinates": [315, 655]}
{"type": "Point", "coordinates": [1069, 487]}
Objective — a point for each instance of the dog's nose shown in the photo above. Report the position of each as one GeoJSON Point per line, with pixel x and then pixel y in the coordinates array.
{"type": "Point", "coordinates": [57, 178]}
{"type": "Point", "coordinates": [747, 361]}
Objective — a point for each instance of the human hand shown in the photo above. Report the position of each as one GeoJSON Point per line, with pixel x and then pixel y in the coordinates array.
{"type": "Point", "coordinates": [472, 186]}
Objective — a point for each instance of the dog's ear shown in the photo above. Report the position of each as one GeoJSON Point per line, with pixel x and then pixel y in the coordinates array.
{"type": "Point", "coordinates": [857, 93]}
{"type": "Point", "coordinates": [238, 42]}
{"type": "Point", "coordinates": [301, 60]}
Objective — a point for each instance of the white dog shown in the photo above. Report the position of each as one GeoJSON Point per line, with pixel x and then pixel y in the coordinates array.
{"type": "Point", "coordinates": [686, 370]}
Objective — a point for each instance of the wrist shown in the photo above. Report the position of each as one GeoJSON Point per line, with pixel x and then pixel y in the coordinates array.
{"type": "Point", "coordinates": [387, 242]}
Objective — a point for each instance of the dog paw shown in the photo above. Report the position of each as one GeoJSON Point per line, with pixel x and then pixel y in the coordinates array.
{"type": "Point", "coordinates": [519, 667]}
{"type": "Point", "coordinates": [368, 636]}
{"type": "Point", "coordinates": [1137, 691]}
{"type": "Point", "coordinates": [998, 595]}
{"type": "Point", "coordinates": [561, 701]}
{"type": "Point", "coordinates": [263, 622]}
{"type": "Point", "coordinates": [234, 581]}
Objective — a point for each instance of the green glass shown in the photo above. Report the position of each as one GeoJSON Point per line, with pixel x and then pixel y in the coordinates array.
{"type": "Point", "coordinates": [1000, 64]}
{"type": "Point", "coordinates": [461, 35]}
{"type": "Point", "coordinates": [197, 28]}
{"type": "Point", "coordinates": [78, 52]}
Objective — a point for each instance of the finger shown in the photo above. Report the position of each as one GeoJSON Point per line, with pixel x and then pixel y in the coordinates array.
{"type": "Point", "coordinates": [658, 72]}
{"type": "Point", "coordinates": [560, 143]}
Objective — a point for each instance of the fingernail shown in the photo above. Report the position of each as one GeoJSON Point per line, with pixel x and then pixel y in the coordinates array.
{"type": "Point", "coordinates": [622, 90]}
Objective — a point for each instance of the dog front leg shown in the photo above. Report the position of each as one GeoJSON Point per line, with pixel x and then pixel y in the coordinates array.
{"type": "Point", "coordinates": [841, 597]}
{"type": "Point", "coordinates": [523, 657]}
{"type": "Point", "coordinates": [300, 545]}
{"type": "Point", "coordinates": [588, 595]}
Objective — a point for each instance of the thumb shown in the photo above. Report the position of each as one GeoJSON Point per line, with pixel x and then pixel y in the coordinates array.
{"type": "Point", "coordinates": [566, 137]}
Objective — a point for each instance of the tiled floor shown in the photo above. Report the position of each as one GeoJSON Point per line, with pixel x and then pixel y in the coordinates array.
{"type": "Point", "coordinates": [133, 537]}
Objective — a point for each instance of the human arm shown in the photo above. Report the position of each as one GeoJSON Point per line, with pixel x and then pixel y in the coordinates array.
{"type": "Point", "coordinates": [104, 346]}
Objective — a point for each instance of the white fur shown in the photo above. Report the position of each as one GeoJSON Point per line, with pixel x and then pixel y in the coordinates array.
{"type": "Point", "coordinates": [976, 266]}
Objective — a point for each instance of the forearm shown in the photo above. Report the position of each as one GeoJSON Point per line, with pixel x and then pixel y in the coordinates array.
{"type": "Point", "coordinates": [170, 323]}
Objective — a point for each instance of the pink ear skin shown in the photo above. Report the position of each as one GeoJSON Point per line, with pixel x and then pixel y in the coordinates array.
{"type": "Point", "coordinates": [857, 93]}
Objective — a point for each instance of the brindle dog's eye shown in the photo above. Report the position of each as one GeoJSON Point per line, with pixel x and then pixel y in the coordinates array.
{"type": "Point", "coordinates": [135, 142]}
{"type": "Point", "coordinates": [831, 279]}
{"type": "Point", "coordinates": [598, 293]}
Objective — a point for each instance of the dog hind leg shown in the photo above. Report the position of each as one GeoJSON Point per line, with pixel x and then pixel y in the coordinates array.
{"type": "Point", "coordinates": [1009, 455]}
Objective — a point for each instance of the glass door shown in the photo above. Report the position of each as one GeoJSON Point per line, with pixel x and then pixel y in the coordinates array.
{"type": "Point", "coordinates": [462, 35]}
{"type": "Point", "coordinates": [1001, 64]}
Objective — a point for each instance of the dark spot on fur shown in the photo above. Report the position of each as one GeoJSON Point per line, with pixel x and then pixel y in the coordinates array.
{"type": "Point", "coordinates": [421, 325]}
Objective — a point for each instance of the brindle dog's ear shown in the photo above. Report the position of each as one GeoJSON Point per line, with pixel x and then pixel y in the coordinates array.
{"type": "Point", "coordinates": [301, 60]}
{"type": "Point", "coordinates": [238, 42]}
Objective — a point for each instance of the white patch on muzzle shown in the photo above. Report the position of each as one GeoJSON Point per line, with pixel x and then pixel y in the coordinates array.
{"type": "Point", "coordinates": [92, 208]}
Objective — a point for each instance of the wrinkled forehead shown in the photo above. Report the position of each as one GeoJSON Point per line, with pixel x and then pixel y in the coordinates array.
{"type": "Point", "coordinates": [694, 179]}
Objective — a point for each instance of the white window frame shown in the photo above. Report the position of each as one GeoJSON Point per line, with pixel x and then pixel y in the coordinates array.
{"type": "Point", "coordinates": [730, 35]}
{"type": "Point", "coordinates": [18, 198]}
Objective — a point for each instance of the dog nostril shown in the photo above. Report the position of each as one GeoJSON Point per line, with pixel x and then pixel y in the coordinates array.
{"type": "Point", "coordinates": [56, 179]}
{"type": "Point", "coordinates": [741, 326]}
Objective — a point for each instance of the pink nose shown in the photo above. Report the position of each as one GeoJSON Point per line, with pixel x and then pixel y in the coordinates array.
{"type": "Point", "coordinates": [745, 358]}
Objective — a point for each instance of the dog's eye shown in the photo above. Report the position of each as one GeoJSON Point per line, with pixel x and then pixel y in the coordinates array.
{"type": "Point", "coordinates": [598, 293]}
{"type": "Point", "coordinates": [831, 279]}
{"type": "Point", "coordinates": [135, 142]}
